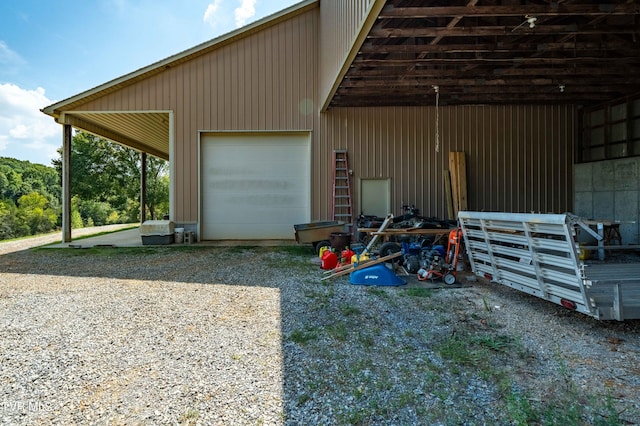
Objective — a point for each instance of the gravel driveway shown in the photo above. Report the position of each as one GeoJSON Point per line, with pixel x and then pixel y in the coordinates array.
{"type": "Point", "coordinates": [210, 335]}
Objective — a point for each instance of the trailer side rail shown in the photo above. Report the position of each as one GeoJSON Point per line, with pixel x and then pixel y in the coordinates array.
{"type": "Point", "coordinates": [532, 253]}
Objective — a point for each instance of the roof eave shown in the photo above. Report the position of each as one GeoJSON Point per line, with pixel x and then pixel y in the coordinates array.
{"type": "Point", "coordinates": [55, 109]}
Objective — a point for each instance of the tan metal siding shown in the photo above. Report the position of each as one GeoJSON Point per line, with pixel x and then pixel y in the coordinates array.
{"type": "Point", "coordinates": [257, 83]}
{"type": "Point", "coordinates": [519, 158]}
{"type": "Point", "coordinates": [340, 22]}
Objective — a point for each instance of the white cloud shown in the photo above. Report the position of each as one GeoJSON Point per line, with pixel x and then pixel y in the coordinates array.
{"type": "Point", "coordinates": [25, 132]}
{"type": "Point", "coordinates": [8, 56]}
{"type": "Point", "coordinates": [246, 11]}
{"type": "Point", "coordinates": [210, 14]}
{"type": "Point", "coordinates": [10, 61]}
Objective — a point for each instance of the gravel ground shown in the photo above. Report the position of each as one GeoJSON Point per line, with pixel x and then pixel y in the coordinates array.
{"type": "Point", "coordinates": [210, 335]}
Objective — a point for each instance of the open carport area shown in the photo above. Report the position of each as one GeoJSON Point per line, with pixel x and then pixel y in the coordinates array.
{"type": "Point", "coordinates": [250, 335]}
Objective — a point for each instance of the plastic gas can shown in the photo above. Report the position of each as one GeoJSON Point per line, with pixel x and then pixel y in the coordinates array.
{"type": "Point", "coordinates": [329, 260]}
{"type": "Point", "coordinates": [346, 255]}
{"type": "Point", "coordinates": [322, 250]}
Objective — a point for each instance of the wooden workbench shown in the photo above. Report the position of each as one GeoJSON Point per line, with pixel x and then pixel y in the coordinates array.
{"type": "Point", "coordinates": [438, 233]}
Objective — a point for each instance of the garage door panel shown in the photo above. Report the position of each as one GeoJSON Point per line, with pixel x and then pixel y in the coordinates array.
{"type": "Point", "coordinates": [254, 186]}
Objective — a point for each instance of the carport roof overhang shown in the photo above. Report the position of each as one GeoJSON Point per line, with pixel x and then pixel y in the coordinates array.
{"type": "Point", "coordinates": [580, 52]}
{"type": "Point", "coordinates": [145, 131]}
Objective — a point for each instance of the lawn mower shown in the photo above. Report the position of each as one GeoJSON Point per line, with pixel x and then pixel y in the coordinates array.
{"type": "Point", "coordinates": [441, 265]}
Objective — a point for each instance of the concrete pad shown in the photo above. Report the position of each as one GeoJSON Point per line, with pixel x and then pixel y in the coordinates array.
{"type": "Point", "coordinates": [126, 238]}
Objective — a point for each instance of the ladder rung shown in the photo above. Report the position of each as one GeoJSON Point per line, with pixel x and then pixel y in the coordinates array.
{"type": "Point", "coordinates": [341, 186]}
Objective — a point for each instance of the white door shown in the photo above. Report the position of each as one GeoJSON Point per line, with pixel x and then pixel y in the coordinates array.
{"type": "Point", "coordinates": [375, 196]}
{"type": "Point", "coordinates": [254, 186]}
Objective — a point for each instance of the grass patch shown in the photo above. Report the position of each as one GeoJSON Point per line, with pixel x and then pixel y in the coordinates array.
{"type": "Point", "coordinates": [304, 336]}
{"type": "Point", "coordinates": [348, 310]}
{"type": "Point", "coordinates": [190, 417]}
{"type": "Point", "coordinates": [321, 296]}
{"type": "Point", "coordinates": [338, 331]}
{"type": "Point", "coordinates": [375, 291]}
{"type": "Point", "coordinates": [366, 340]}
{"type": "Point", "coordinates": [418, 292]}
{"type": "Point", "coordinates": [566, 404]}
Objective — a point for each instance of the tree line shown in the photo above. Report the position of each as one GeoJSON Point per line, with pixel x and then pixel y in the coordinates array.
{"type": "Point", "coordinates": [105, 189]}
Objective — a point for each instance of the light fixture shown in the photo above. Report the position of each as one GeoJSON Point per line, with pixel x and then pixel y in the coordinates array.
{"type": "Point", "coordinates": [561, 87]}
{"type": "Point", "coordinates": [531, 20]}
{"type": "Point", "coordinates": [528, 19]}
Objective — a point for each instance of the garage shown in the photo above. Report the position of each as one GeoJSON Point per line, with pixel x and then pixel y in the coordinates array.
{"type": "Point", "coordinates": [254, 186]}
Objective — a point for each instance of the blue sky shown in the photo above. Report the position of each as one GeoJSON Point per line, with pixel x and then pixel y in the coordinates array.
{"type": "Point", "coordinates": [52, 50]}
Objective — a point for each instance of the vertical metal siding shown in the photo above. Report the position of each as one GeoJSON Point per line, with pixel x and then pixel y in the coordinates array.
{"type": "Point", "coordinates": [257, 83]}
{"type": "Point", "coordinates": [519, 158]}
{"type": "Point", "coordinates": [340, 21]}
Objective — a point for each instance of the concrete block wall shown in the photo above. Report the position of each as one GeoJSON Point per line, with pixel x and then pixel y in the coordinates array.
{"type": "Point", "coordinates": [610, 190]}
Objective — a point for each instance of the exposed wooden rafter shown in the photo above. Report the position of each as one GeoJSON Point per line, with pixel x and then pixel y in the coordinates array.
{"type": "Point", "coordinates": [497, 51]}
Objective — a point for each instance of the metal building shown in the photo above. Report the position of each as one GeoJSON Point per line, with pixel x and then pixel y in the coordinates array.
{"type": "Point", "coordinates": [249, 121]}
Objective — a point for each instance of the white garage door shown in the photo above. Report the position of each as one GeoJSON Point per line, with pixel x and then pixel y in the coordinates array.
{"type": "Point", "coordinates": [254, 186]}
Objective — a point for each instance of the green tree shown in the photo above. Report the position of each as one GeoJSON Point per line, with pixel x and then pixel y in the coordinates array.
{"type": "Point", "coordinates": [35, 213]}
{"type": "Point", "coordinates": [157, 187]}
{"type": "Point", "coordinates": [8, 226]}
{"type": "Point", "coordinates": [106, 178]}
{"type": "Point", "coordinates": [11, 181]}
{"type": "Point", "coordinates": [36, 181]}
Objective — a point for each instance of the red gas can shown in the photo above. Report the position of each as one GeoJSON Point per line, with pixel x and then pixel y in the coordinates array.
{"type": "Point", "coordinates": [346, 255]}
{"type": "Point", "coordinates": [329, 260]}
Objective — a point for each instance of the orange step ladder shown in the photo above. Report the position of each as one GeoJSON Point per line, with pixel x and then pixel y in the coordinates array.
{"type": "Point", "coordinates": [341, 208]}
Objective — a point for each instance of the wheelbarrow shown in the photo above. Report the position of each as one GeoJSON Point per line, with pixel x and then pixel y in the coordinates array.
{"type": "Point", "coordinates": [319, 233]}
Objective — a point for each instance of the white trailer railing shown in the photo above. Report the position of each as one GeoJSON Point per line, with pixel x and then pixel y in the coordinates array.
{"type": "Point", "coordinates": [537, 254]}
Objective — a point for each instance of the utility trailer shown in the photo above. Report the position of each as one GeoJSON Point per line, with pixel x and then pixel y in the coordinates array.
{"type": "Point", "coordinates": [538, 254]}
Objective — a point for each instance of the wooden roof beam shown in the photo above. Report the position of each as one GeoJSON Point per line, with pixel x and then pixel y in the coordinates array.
{"type": "Point", "coordinates": [498, 30]}
{"type": "Point", "coordinates": [497, 47]}
{"type": "Point", "coordinates": [588, 83]}
{"type": "Point", "coordinates": [425, 12]}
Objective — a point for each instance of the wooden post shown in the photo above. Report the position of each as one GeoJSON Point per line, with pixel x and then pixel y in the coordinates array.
{"type": "Point", "coordinates": [458, 171]}
{"type": "Point", "coordinates": [143, 187]}
{"type": "Point", "coordinates": [447, 193]}
{"type": "Point", "coordinates": [66, 183]}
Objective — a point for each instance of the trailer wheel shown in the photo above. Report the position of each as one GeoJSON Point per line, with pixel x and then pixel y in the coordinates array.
{"type": "Point", "coordinates": [318, 245]}
{"type": "Point", "coordinates": [389, 248]}
{"type": "Point", "coordinates": [449, 279]}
